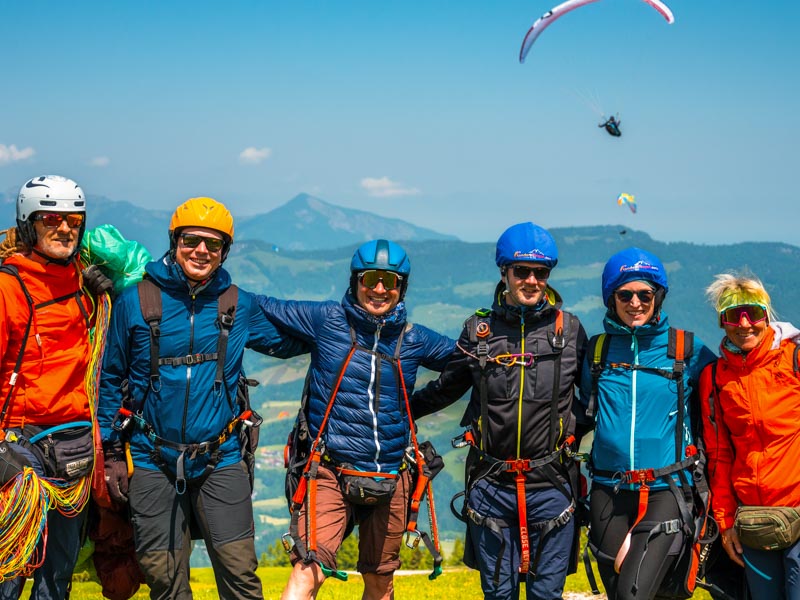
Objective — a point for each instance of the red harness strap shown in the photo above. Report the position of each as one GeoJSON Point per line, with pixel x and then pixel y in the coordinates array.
{"type": "Point", "coordinates": [640, 477]}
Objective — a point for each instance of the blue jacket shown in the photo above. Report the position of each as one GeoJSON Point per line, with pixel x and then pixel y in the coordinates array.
{"type": "Point", "coordinates": [368, 426]}
{"type": "Point", "coordinates": [636, 412]}
{"type": "Point", "coordinates": [187, 407]}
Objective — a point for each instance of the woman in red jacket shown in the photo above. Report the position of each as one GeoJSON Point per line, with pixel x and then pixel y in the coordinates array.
{"type": "Point", "coordinates": [751, 426]}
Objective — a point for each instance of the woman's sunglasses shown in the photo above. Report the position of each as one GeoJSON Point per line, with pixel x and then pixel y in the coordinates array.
{"type": "Point", "coordinates": [191, 240]}
{"type": "Point", "coordinates": [645, 296]}
{"type": "Point", "coordinates": [54, 220]}
{"type": "Point", "coordinates": [522, 272]}
{"type": "Point", "coordinates": [733, 316]}
{"type": "Point", "coordinates": [371, 278]}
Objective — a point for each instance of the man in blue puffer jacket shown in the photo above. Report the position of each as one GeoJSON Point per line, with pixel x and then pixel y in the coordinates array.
{"type": "Point", "coordinates": [358, 347]}
{"type": "Point", "coordinates": [184, 416]}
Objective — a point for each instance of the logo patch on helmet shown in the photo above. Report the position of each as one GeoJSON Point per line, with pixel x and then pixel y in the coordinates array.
{"type": "Point", "coordinates": [641, 265]}
{"type": "Point", "coordinates": [531, 255]}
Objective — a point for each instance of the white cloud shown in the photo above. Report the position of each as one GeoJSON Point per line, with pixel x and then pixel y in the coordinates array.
{"type": "Point", "coordinates": [9, 154]}
{"type": "Point", "coordinates": [254, 156]}
{"type": "Point", "coordinates": [99, 161]}
{"type": "Point", "coordinates": [384, 187]}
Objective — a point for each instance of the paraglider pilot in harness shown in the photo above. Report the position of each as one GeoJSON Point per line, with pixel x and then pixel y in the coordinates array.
{"type": "Point", "coordinates": [177, 445]}
{"type": "Point", "coordinates": [360, 463]}
{"type": "Point", "coordinates": [521, 359]}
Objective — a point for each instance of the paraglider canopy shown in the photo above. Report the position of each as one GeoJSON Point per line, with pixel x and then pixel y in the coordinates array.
{"type": "Point", "coordinates": [551, 15]}
{"type": "Point", "coordinates": [628, 199]}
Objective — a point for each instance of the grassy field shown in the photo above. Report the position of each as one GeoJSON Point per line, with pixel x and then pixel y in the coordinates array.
{"type": "Point", "coordinates": [454, 582]}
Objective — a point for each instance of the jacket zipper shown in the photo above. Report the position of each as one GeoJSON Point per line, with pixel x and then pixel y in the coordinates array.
{"type": "Point", "coordinates": [188, 372]}
{"type": "Point", "coordinates": [521, 384]}
{"type": "Point", "coordinates": [371, 394]}
{"type": "Point", "coordinates": [635, 350]}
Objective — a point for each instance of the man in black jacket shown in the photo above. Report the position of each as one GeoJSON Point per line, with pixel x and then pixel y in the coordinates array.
{"type": "Point", "coordinates": [522, 360]}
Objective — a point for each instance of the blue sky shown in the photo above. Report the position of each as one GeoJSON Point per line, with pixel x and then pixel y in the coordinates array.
{"type": "Point", "coordinates": [417, 110]}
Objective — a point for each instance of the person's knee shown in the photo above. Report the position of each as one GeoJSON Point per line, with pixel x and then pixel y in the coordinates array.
{"type": "Point", "coordinates": [378, 587]}
{"type": "Point", "coordinates": [304, 582]}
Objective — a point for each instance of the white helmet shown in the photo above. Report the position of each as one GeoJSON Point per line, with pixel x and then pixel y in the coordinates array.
{"type": "Point", "coordinates": [47, 193]}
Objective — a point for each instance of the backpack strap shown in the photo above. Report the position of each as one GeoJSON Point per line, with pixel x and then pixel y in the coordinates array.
{"type": "Point", "coordinates": [12, 270]}
{"type": "Point", "coordinates": [226, 304]}
{"type": "Point", "coordinates": [479, 327]}
{"type": "Point", "coordinates": [598, 350]}
{"type": "Point", "coordinates": [150, 304]}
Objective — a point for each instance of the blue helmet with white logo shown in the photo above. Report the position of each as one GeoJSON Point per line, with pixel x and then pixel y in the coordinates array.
{"type": "Point", "coordinates": [382, 255]}
{"type": "Point", "coordinates": [526, 242]}
{"type": "Point", "coordinates": [633, 264]}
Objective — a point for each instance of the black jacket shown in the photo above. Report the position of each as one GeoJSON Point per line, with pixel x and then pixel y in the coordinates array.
{"type": "Point", "coordinates": [519, 424]}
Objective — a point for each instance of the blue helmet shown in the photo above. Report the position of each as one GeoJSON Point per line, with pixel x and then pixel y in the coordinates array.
{"type": "Point", "coordinates": [383, 255]}
{"type": "Point", "coordinates": [632, 264]}
{"type": "Point", "coordinates": [526, 242]}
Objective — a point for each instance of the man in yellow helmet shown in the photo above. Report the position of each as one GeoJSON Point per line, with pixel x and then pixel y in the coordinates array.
{"type": "Point", "coordinates": [169, 387]}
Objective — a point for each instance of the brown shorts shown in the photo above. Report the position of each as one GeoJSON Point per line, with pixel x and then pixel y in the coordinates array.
{"type": "Point", "coordinates": [380, 528]}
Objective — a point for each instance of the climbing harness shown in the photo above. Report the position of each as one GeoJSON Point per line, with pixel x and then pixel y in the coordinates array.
{"type": "Point", "coordinates": [420, 457]}
{"type": "Point", "coordinates": [551, 465]}
{"type": "Point", "coordinates": [131, 416]}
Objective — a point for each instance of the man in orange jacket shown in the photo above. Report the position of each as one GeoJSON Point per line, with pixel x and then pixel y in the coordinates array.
{"type": "Point", "coordinates": [46, 315]}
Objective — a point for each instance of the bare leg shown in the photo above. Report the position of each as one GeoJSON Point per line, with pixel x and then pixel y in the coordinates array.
{"type": "Point", "coordinates": [304, 582]}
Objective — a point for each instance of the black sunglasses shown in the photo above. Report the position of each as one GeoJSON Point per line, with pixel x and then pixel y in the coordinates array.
{"type": "Point", "coordinates": [191, 240]}
{"type": "Point", "coordinates": [645, 296]}
{"type": "Point", "coordinates": [522, 272]}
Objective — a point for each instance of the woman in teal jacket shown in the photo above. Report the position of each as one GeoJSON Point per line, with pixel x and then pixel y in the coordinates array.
{"type": "Point", "coordinates": [630, 393]}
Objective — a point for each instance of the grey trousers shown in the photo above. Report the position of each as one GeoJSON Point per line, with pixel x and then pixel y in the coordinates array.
{"type": "Point", "coordinates": [222, 512]}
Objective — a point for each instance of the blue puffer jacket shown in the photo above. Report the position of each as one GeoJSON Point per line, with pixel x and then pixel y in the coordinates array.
{"type": "Point", "coordinates": [636, 413]}
{"type": "Point", "coordinates": [368, 426]}
{"type": "Point", "coordinates": [186, 408]}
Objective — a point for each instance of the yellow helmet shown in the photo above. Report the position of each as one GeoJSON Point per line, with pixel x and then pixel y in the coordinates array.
{"type": "Point", "coordinates": [203, 212]}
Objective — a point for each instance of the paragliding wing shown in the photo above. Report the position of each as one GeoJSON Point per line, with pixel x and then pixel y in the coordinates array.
{"type": "Point", "coordinates": [663, 9]}
{"type": "Point", "coordinates": [551, 15]}
{"type": "Point", "coordinates": [628, 199]}
{"type": "Point", "coordinates": [543, 22]}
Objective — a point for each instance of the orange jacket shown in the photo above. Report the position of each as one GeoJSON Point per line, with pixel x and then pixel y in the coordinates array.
{"type": "Point", "coordinates": [751, 427]}
{"type": "Point", "coordinates": [50, 387]}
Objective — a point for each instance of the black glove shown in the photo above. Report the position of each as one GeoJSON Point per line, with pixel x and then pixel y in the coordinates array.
{"type": "Point", "coordinates": [95, 281]}
{"type": "Point", "coordinates": [116, 468]}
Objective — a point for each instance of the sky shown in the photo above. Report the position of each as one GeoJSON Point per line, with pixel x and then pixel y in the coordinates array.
{"type": "Point", "coordinates": [417, 110]}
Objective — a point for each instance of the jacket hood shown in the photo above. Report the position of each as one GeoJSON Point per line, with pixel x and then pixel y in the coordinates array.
{"type": "Point", "coordinates": [168, 275]}
{"type": "Point", "coordinates": [784, 331]}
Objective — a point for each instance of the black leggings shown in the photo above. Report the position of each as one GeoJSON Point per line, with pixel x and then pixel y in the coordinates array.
{"type": "Point", "coordinates": [612, 515]}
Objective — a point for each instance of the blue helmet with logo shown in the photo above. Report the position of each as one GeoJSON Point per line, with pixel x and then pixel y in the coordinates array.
{"type": "Point", "coordinates": [383, 255]}
{"type": "Point", "coordinates": [526, 242]}
{"type": "Point", "coordinates": [632, 264]}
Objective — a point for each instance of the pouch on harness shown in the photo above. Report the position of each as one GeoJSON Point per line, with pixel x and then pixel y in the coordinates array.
{"type": "Point", "coordinates": [696, 525]}
{"type": "Point", "coordinates": [555, 466]}
{"type": "Point", "coordinates": [302, 458]}
{"type": "Point", "coordinates": [245, 422]}
{"type": "Point", "coordinates": [65, 451]}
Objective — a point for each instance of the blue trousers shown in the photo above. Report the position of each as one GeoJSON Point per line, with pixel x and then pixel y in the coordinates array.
{"type": "Point", "coordinates": [500, 502]}
{"type": "Point", "coordinates": [52, 580]}
{"type": "Point", "coordinates": [773, 574]}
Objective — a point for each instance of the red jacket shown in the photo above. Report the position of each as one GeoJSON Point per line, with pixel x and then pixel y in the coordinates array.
{"type": "Point", "coordinates": [752, 426]}
{"type": "Point", "coordinates": [50, 388]}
